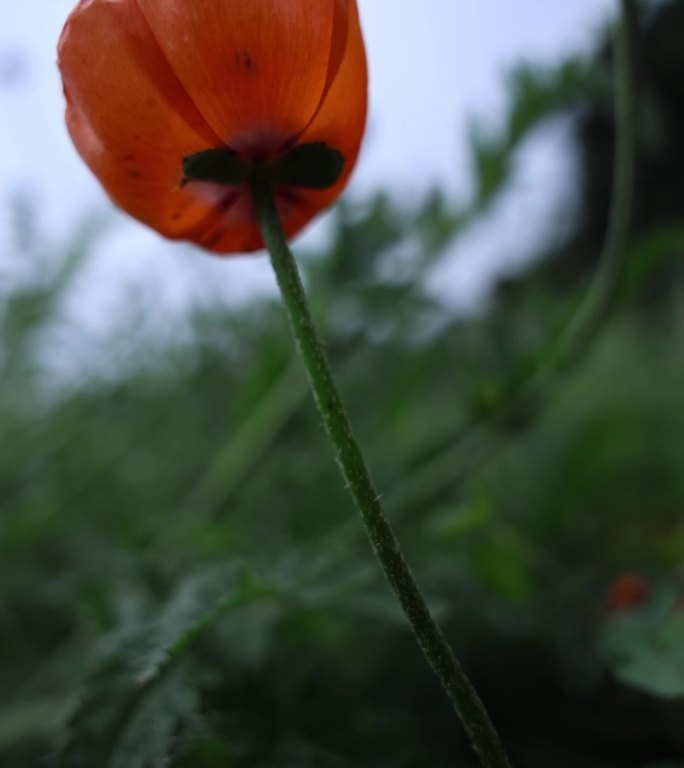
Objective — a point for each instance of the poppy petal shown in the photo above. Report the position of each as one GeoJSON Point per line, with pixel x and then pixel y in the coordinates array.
{"type": "Point", "coordinates": [339, 122]}
{"type": "Point", "coordinates": [129, 116]}
{"type": "Point", "coordinates": [256, 70]}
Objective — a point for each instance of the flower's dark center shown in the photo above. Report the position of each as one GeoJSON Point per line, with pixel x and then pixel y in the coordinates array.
{"type": "Point", "coordinates": [309, 166]}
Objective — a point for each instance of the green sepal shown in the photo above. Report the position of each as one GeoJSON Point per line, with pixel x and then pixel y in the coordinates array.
{"type": "Point", "coordinates": [309, 166]}
{"type": "Point", "coordinates": [312, 166]}
{"type": "Point", "coordinates": [222, 166]}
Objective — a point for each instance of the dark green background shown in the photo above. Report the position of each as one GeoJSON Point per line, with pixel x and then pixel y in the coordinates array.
{"type": "Point", "coordinates": [183, 579]}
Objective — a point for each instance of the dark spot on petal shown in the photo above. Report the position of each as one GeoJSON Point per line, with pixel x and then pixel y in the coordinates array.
{"type": "Point", "coordinates": [228, 200]}
{"type": "Point", "coordinates": [176, 216]}
{"type": "Point", "coordinates": [135, 174]}
{"type": "Point", "coordinates": [244, 61]}
{"type": "Point", "coordinates": [210, 242]}
{"type": "Point", "coordinates": [289, 195]}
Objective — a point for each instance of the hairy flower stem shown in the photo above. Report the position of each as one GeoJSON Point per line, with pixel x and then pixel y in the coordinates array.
{"type": "Point", "coordinates": [429, 635]}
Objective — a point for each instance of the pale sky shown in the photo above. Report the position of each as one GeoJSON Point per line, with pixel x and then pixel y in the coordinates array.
{"type": "Point", "coordinates": [431, 72]}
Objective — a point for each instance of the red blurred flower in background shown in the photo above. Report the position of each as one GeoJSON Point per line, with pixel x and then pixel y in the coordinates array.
{"type": "Point", "coordinates": [151, 83]}
{"type": "Point", "coordinates": [626, 592]}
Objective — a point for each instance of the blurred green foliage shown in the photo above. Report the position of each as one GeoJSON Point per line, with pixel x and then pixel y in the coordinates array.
{"type": "Point", "coordinates": [183, 580]}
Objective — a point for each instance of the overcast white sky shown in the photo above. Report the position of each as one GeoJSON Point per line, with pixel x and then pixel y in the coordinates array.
{"type": "Point", "coordinates": [434, 64]}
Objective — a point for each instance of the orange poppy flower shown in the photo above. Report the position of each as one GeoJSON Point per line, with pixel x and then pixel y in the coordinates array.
{"type": "Point", "coordinates": [151, 84]}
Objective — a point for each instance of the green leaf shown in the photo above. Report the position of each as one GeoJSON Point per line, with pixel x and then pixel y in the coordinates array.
{"type": "Point", "coordinates": [462, 520]}
{"type": "Point", "coordinates": [645, 648]}
{"type": "Point", "coordinates": [140, 696]}
{"type": "Point", "coordinates": [122, 723]}
{"type": "Point", "coordinates": [41, 717]}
